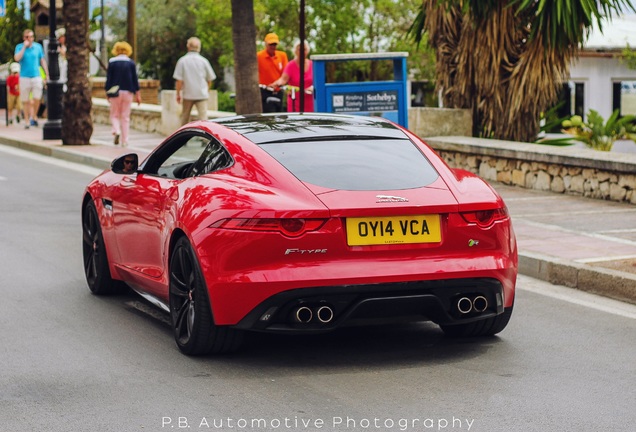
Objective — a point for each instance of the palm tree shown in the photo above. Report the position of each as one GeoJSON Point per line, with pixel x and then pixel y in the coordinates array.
{"type": "Point", "coordinates": [506, 60]}
{"type": "Point", "coordinates": [248, 96]}
{"type": "Point", "coordinates": [77, 125]}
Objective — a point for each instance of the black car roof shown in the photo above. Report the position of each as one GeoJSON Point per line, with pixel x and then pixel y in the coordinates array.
{"type": "Point", "coordinates": [268, 128]}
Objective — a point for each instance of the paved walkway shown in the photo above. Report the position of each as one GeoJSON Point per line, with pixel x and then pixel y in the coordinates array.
{"type": "Point", "coordinates": [567, 240]}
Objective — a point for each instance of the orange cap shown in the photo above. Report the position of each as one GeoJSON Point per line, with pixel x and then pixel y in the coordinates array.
{"type": "Point", "coordinates": [271, 38]}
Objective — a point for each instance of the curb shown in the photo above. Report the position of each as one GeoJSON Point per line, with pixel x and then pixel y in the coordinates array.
{"type": "Point", "coordinates": [58, 153]}
{"type": "Point", "coordinates": [614, 284]}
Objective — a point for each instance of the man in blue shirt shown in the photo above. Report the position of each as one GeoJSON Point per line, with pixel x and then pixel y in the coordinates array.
{"type": "Point", "coordinates": [30, 55]}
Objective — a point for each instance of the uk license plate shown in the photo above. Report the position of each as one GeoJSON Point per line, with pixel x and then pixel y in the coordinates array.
{"type": "Point", "coordinates": [393, 230]}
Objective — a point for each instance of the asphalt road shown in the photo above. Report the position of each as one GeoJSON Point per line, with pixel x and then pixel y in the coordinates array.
{"type": "Point", "coordinates": [71, 361]}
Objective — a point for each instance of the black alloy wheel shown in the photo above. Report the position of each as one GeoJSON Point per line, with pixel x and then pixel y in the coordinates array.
{"type": "Point", "coordinates": [96, 266]}
{"type": "Point", "coordinates": [192, 320]}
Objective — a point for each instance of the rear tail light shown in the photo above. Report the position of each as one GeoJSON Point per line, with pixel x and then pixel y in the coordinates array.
{"type": "Point", "coordinates": [289, 227]}
{"type": "Point", "coordinates": [485, 218]}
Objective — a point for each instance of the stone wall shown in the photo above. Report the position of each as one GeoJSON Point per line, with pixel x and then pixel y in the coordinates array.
{"type": "Point", "coordinates": [148, 88]}
{"type": "Point", "coordinates": [425, 121]}
{"type": "Point", "coordinates": [162, 119]}
{"type": "Point", "coordinates": [171, 110]}
{"type": "Point", "coordinates": [144, 117]}
{"type": "Point", "coordinates": [585, 172]}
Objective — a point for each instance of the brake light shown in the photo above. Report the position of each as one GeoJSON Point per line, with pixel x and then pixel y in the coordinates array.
{"type": "Point", "coordinates": [289, 227]}
{"type": "Point", "coordinates": [485, 218]}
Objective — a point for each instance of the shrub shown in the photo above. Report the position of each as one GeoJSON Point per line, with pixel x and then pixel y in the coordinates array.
{"type": "Point", "coordinates": [227, 101]}
{"type": "Point", "coordinates": [598, 135]}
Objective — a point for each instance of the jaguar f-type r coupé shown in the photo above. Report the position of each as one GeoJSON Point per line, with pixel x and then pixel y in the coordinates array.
{"type": "Point", "coordinates": [300, 223]}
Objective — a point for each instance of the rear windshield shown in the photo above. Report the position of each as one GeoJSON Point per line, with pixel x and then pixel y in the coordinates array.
{"type": "Point", "coordinates": [368, 164]}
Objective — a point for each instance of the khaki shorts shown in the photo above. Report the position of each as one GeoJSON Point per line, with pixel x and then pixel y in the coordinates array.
{"type": "Point", "coordinates": [13, 102]}
{"type": "Point", "coordinates": [31, 87]}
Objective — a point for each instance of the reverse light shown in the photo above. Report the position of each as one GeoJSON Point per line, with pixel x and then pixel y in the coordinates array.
{"type": "Point", "coordinates": [485, 218]}
{"type": "Point", "coordinates": [290, 227]}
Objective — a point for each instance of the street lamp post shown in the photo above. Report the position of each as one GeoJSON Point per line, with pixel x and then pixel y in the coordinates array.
{"type": "Point", "coordinates": [52, 129]}
{"type": "Point", "coordinates": [303, 55]}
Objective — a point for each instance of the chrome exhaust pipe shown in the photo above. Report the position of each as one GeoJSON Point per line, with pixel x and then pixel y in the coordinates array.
{"type": "Point", "coordinates": [324, 314]}
{"type": "Point", "coordinates": [480, 303]}
{"type": "Point", "coordinates": [304, 314]}
{"type": "Point", "coordinates": [464, 305]}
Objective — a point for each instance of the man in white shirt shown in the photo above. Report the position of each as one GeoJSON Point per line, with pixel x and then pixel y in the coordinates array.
{"type": "Point", "coordinates": [194, 75]}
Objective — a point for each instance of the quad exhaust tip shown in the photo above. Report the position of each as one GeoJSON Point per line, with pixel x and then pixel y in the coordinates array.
{"type": "Point", "coordinates": [305, 314]}
{"type": "Point", "coordinates": [480, 303]}
{"type": "Point", "coordinates": [466, 305]}
{"type": "Point", "coordinates": [324, 314]}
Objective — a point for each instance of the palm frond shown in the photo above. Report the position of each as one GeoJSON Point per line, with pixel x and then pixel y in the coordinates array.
{"type": "Point", "coordinates": [566, 23]}
{"type": "Point", "coordinates": [416, 30]}
{"type": "Point", "coordinates": [559, 142]}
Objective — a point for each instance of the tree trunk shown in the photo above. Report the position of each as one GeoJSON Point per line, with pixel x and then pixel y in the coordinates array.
{"type": "Point", "coordinates": [248, 96]}
{"type": "Point", "coordinates": [77, 124]}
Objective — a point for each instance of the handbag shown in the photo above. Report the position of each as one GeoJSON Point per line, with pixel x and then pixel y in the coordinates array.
{"type": "Point", "coordinates": [113, 91]}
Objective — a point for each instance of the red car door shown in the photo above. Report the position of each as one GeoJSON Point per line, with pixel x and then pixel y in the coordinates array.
{"type": "Point", "coordinates": [142, 211]}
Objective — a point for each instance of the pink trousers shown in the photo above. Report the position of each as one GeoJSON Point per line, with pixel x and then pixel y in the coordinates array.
{"type": "Point", "coordinates": [120, 107]}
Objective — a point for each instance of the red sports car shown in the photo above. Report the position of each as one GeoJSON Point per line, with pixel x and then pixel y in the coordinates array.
{"type": "Point", "coordinates": [299, 223]}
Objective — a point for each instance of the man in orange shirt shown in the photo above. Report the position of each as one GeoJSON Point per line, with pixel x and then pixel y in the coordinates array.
{"type": "Point", "coordinates": [270, 67]}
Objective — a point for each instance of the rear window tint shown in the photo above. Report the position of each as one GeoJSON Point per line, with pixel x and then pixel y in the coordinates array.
{"type": "Point", "coordinates": [378, 164]}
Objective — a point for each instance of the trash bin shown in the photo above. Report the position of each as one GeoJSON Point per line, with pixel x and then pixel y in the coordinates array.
{"type": "Point", "coordinates": [4, 104]}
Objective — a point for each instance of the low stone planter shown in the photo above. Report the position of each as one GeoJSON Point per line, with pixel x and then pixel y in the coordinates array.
{"type": "Point", "coordinates": [162, 119]}
{"type": "Point", "coordinates": [148, 88]}
{"type": "Point", "coordinates": [571, 170]}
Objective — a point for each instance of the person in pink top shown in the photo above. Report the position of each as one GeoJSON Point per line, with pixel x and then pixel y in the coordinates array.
{"type": "Point", "coordinates": [291, 78]}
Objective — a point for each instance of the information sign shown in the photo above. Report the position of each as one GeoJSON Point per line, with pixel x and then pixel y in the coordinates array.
{"type": "Point", "coordinates": [373, 101]}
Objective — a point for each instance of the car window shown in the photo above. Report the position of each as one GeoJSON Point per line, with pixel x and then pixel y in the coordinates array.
{"type": "Point", "coordinates": [176, 159]}
{"type": "Point", "coordinates": [355, 164]}
{"type": "Point", "coordinates": [214, 158]}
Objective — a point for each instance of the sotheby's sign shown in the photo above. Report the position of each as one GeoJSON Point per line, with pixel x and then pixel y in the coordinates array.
{"type": "Point", "coordinates": [373, 101]}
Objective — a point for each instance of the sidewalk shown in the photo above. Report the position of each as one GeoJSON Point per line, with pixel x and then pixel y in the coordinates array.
{"type": "Point", "coordinates": [566, 240]}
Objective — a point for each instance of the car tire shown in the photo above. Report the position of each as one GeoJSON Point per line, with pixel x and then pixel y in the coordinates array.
{"type": "Point", "coordinates": [487, 327]}
{"type": "Point", "coordinates": [192, 320]}
{"type": "Point", "coordinates": [96, 267]}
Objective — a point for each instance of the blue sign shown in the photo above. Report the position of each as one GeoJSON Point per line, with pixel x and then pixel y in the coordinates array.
{"type": "Point", "coordinates": [386, 99]}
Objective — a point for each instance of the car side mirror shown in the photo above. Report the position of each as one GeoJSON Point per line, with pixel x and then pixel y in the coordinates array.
{"type": "Point", "coordinates": [126, 164]}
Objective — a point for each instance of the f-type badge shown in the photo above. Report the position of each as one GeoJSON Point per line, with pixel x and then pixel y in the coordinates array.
{"type": "Point", "coordinates": [390, 199]}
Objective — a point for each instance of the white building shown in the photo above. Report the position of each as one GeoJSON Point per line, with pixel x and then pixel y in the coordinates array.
{"type": "Point", "coordinates": [600, 79]}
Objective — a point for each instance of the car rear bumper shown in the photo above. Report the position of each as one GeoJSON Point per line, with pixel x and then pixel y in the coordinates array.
{"type": "Point", "coordinates": [322, 309]}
